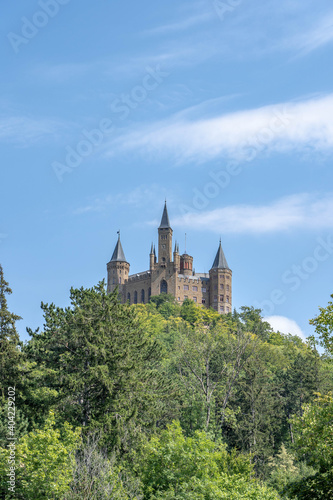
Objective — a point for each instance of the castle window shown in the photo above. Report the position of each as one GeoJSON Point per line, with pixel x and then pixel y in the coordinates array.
{"type": "Point", "coordinates": [228, 277]}
{"type": "Point", "coordinates": [222, 308]}
{"type": "Point", "coordinates": [186, 287]}
{"type": "Point", "coordinates": [215, 298]}
{"type": "Point", "coordinates": [194, 288]}
{"type": "Point", "coordinates": [142, 296]}
{"type": "Point", "coordinates": [222, 287]}
{"type": "Point", "coordinates": [178, 298]}
{"type": "Point", "coordinates": [203, 301]}
{"type": "Point", "coordinates": [119, 281]}
{"type": "Point", "coordinates": [149, 293]}
{"type": "Point", "coordinates": [227, 309]}
{"type": "Point", "coordinates": [227, 288]}
{"type": "Point", "coordinates": [221, 298]}
{"type": "Point", "coordinates": [215, 287]}
{"type": "Point", "coordinates": [129, 297]}
{"type": "Point", "coordinates": [195, 299]}
{"type": "Point", "coordinates": [179, 288]}
{"type": "Point", "coordinates": [135, 297]}
{"type": "Point", "coordinates": [164, 287]}
{"type": "Point", "coordinates": [185, 297]}
{"type": "Point", "coordinates": [227, 299]}
{"type": "Point", "coordinates": [113, 281]}
{"type": "Point", "coordinates": [204, 289]}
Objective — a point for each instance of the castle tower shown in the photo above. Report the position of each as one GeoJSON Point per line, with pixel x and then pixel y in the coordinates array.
{"type": "Point", "coordinates": [220, 283]}
{"type": "Point", "coordinates": [186, 264]}
{"type": "Point", "coordinates": [164, 239]}
{"type": "Point", "coordinates": [176, 258]}
{"type": "Point", "coordinates": [118, 268]}
{"type": "Point", "coordinates": [152, 257]}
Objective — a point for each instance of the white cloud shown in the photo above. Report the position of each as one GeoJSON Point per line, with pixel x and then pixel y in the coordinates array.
{"type": "Point", "coordinates": [285, 325]}
{"type": "Point", "coordinates": [238, 135]}
{"type": "Point", "coordinates": [300, 211]}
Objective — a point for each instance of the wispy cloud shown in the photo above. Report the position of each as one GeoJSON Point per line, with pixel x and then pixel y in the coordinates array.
{"type": "Point", "coordinates": [314, 37]}
{"type": "Point", "coordinates": [300, 211]}
{"type": "Point", "coordinates": [24, 130]}
{"type": "Point", "coordinates": [138, 197]}
{"type": "Point", "coordinates": [183, 25]}
{"type": "Point", "coordinates": [282, 127]}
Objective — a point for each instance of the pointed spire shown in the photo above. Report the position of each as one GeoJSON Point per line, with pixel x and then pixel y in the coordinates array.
{"type": "Point", "coordinates": [220, 262]}
{"type": "Point", "coordinates": [118, 253]}
{"type": "Point", "coordinates": [165, 224]}
{"type": "Point", "coordinates": [152, 249]}
{"type": "Point", "coordinates": [176, 247]}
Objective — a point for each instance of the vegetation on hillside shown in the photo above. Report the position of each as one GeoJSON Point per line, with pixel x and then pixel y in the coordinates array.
{"type": "Point", "coordinates": [161, 401]}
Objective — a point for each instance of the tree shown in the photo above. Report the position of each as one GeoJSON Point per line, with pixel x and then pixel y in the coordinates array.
{"type": "Point", "coordinates": [97, 476]}
{"type": "Point", "coordinates": [101, 364]}
{"type": "Point", "coordinates": [178, 468]}
{"type": "Point", "coordinates": [10, 345]}
{"type": "Point", "coordinates": [324, 326]}
{"type": "Point", "coordinates": [210, 361]}
{"type": "Point", "coordinates": [314, 432]}
{"type": "Point", "coordinates": [44, 461]}
{"type": "Point", "coordinates": [314, 443]}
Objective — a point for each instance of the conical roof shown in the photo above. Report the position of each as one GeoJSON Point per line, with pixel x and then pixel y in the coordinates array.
{"type": "Point", "coordinates": [165, 224]}
{"type": "Point", "coordinates": [220, 262]}
{"type": "Point", "coordinates": [118, 253]}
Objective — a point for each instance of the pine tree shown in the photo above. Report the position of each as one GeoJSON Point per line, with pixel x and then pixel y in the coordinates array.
{"type": "Point", "coordinates": [10, 345]}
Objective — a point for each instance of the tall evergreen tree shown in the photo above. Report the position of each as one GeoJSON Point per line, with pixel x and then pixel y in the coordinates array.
{"type": "Point", "coordinates": [10, 345]}
{"type": "Point", "coordinates": [101, 365]}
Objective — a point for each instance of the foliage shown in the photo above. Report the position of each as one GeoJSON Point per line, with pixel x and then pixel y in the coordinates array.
{"type": "Point", "coordinates": [44, 461]}
{"type": "Point", "coordinates": [176, 467]}
{"type": "Point", "coordinates": [314, 432]}
{"type": "Point", "coordinates": [10, 345]}
{"type": "Point", "coordinates": [97, 477]}
{"type": "Point", "coordinates": [102, 365]}
{"type": "Point", "coordinates": [286, 470]}
{"type": "Point", "coordinates": [324, 326]}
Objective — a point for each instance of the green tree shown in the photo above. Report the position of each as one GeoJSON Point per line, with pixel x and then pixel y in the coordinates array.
{"type": "Point", "coordinates": [44, 462]}
{"type": "Point", "coordinates": [324, 326]}
{"type": "Point", "coordinates": [314, 432]}
{"type": "Point", "coordinates": [10, 345]}
{"type": "Point", "coordinates": [101, 364]}
{"type": "Point", "coordinates": [196, 468]}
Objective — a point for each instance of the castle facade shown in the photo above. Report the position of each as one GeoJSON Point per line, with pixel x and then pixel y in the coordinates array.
{"type": "Point", "coordinates": [170, 272]}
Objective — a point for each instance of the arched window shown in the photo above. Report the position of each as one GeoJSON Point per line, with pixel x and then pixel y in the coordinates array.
{"type": "Point", "coordinates": [164, 286]}
{"type": "Point", "coordinates": [142, 296]}
{"type": "Point", "coordinates": [135, 297]}
{"type": "Point", "coordinates": [129, 297]}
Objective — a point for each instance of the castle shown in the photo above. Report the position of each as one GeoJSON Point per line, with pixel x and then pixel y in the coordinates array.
{"type": "Point", "coordinates": [177, 276]}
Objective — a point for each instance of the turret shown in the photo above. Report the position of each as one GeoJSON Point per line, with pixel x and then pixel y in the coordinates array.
{"type": "Point", "coordinates": [220, 283]}
{"type": "Point", "coordinates": [164, 239]}
{"type": "Point", "coordinates": [118, 268]}
{"type": "Point", "coordinates": [186, 264]}
{"type": "Point", "coordinates": [176, 258]}
{"type": "Point", "coordinates": [152, 257]}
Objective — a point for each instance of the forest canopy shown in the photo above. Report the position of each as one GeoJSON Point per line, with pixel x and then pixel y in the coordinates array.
{"type": "Point", "coordinates": [163, 401]}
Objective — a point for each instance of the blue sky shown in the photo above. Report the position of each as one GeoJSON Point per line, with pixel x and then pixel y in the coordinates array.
{"type": "Point", "coordinates": [222, 107]}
